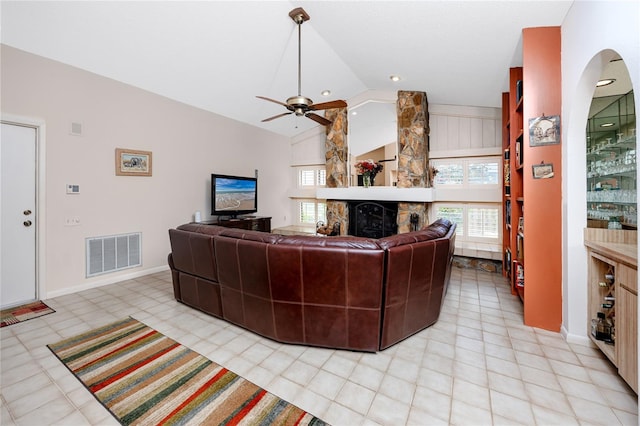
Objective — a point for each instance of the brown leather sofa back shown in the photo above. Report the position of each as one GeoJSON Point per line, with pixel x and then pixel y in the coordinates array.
{"type": "Point", "coordinates": [342, 292]}
{"type": "Point", "coordinates": [306, 290]}
{"type": "Point", "coordinates": [194, 268]}
{"type": "Point", "coordinates": [418, 265]}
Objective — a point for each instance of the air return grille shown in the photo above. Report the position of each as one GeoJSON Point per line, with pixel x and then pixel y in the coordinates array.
{"type": "Point", "coordinates": [113, 253]}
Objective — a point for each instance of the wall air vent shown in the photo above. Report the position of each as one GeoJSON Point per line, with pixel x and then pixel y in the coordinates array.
{"type": "Point", "coordinates": [113, 253]}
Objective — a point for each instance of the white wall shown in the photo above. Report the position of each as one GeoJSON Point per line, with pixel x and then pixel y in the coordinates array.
{"type": "Point", "coordinates": [591, 33]}
{"type": "Point", "coordinates": [464, 130]}
{"type": "Point", "coordinates": [188, 144]}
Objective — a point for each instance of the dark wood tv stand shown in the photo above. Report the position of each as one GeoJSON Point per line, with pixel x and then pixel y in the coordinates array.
{"type": "Point", "coordinates": [254, 223]}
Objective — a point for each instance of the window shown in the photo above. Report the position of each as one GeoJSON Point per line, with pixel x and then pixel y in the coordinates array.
{"type": "Point", "coordinates": [483, 222]}
{"type": "Point", "coordinates": [312, 176]}
{"type": "Point", "coordinates": [307, 210]}
{"type": "Point", "coordinates": [483, 173]}
{"type": "Point", "coordinates": [449, 174]}
{"type": "Point", "coordinates": [475, 222]}
{"type": "Point", "coordinates": [467, 171]}
{"type": "Point", "coordinates": [454, 214]}
{"type": "Point", "coordinates": [311, 212]}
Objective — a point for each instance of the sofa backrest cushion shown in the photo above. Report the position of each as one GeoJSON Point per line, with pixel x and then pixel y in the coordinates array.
{"type": "Point", "coordinates": [192, 252]}
{"type": "Point", "coordinates": [345, 242]}
{"type": "Point", "coordinates": [438, 229]}
{"type": "Point", "coordinates": [243, 234]}
{"type": "Point", "coordinates": [202, 229]}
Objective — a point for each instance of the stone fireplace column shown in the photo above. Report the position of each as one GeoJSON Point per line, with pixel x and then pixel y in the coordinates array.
{"type": "Point", "coordinates": [413, 154]}
{"type": "Point", "coordinates": [337, 158]}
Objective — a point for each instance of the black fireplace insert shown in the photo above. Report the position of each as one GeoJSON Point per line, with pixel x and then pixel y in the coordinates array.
{"type": "Point", "coordinates": [373, 219]}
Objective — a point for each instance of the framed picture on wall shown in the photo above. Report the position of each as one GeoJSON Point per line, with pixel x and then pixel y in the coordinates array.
{"type": "Point", "coordinates": [542, 171]}
{"type": "Point", "coordinates": [131, 162]}
{"type": "Point", "coordinates": [544, 130]}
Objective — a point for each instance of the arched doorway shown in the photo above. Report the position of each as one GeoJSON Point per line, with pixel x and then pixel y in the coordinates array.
{"type": "Point", "coordinates": [610, 234]}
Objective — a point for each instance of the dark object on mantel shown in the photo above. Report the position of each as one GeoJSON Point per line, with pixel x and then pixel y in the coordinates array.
{"type": "Point", "coordinates": [372, 178]}
{"type": "Point", "coordinates": [330, 231]}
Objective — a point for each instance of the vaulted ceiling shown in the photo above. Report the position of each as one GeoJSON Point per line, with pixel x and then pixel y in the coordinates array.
{"type": "Point", "coordinates": [218, 55]}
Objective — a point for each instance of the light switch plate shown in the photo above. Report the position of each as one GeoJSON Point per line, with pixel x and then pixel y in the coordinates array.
{"type": "Point", "coordinates": [73, 189]}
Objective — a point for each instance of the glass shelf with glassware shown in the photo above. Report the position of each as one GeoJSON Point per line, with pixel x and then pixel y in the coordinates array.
{"type": "Point", "coordinates": [611, 166]}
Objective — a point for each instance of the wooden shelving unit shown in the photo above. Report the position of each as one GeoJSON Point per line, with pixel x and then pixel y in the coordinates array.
{"type": "Point", "coordinates": [613, 291]}
{"type": "Point", "coordinates": [533, 241]}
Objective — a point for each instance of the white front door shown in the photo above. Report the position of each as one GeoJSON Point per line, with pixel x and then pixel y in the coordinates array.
{"type": "Point", "coordinates": [18, 215]}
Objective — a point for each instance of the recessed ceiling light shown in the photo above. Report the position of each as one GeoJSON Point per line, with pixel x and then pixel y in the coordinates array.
{"type": "Point", "coordinates": [354, 112]}
{"type": "Point", "coordinates": [605, 82]}
{"type": "Point", "coordinates": [325, 92]}
{"type": "Point", "coordinates": [394, 77]}
{"type": "Point", "coordinates": [606, 125]}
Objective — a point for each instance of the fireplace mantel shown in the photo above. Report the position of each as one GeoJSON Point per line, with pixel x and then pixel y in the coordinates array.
{"type": "Point", "coordinates": [377, 193]}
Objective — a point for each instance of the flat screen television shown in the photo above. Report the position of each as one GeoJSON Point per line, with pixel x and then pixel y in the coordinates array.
{"type": "Point", "coordinates": [233, 195]}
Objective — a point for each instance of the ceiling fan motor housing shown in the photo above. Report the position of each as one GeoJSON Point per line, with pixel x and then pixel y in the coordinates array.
{"type": "Point", "coordinates": [299, 104]}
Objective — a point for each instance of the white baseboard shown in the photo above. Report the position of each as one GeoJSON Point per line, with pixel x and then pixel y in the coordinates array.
{"type": "Point", "coordinates": [576, 338]}
{"type": "Point", "coordinates": [106, 281]}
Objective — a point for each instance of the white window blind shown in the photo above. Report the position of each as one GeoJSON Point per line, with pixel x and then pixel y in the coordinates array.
{"type": "Point", "coordinates": [464, 172]}
{"type": "Point", "coordinates": [475, 222]}
{"type": "Point", "coordinates": [454, 214]}
{"type": "Point", "coordinates": [312, 176]}
{"type": "Point", "coordinates": [311, 212]}
{"type": "Point", "coordinates": [450, 174]}
{"type": "Point", "coordinates": [483, 222]}
{"type": "Point", "coordinates": [322, 177]}
{"type": "Point", "coordinates": [307, 178]}
{"type": "Point", "coordinates": [484, 173]}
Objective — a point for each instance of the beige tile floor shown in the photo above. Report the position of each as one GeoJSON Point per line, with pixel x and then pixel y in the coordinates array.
{"type": "Point", "coordinates": [478, 365]}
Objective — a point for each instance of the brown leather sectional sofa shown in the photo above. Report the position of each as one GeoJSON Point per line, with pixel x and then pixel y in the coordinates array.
{"type": "Point", "coordinates": [339, 292]}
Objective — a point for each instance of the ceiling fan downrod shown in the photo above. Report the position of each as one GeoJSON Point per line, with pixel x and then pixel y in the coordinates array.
{"type": "Point", "coordinates": [299, 16]}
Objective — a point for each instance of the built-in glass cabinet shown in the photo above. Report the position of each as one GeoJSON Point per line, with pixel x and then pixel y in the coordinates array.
{"type": "Point", "coordinates": [611, 166]}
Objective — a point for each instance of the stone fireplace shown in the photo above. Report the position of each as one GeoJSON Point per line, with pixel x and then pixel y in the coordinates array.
{"type": "Point", "coordinates": [407, 200]}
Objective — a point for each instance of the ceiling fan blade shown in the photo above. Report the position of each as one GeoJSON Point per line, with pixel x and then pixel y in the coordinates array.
{"type": "Point", "coordinates": [276, 116]}
{"type": "Point", "coordinates": [328, 105]}
{"type": "Point", "coordinates": [273, 100]}
{"type": "Point", "coordinates": [318, 119]}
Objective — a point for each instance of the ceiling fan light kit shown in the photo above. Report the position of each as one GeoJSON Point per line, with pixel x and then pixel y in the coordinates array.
{"type": "Point", "coordinates": [301, 105]}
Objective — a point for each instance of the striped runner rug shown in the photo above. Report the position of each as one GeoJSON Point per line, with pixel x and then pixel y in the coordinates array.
{"type": "Point", "coordinates": [145, 378]}
{"type": "Point", "coordinates": [22, 313]}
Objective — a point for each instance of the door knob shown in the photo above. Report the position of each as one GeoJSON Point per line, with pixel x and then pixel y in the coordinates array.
{"type": "Point", "coordinates": [26, 212]}
{"type": "Point", "coordinates": [27, 223]}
